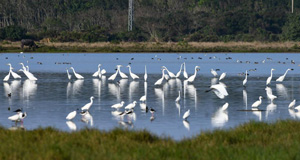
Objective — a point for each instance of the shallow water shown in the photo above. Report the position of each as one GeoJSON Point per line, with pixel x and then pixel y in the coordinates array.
{"type": "Point", "coordinates": [48, 100]}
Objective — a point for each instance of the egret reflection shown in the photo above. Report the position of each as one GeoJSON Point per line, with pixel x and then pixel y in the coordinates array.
{"type": "Point", "coordinates": [29, 88]}
{"type": "Point", "coordinates": [87, 118]}
{"type": "Point", "coordinates": [270, 109]}
{"type": "Point", "coordinates": [257, 113]}
{"type": "Point", "coordinates": [219, 118]}
{"type": "Point", "coordinates": [77, 85]}
{"type": "Point", "coordinates": [282, 91]}
{"type": "Point", "coordinates": [72, 126]}
{"type": "Point", "coordinates": [186, 124]}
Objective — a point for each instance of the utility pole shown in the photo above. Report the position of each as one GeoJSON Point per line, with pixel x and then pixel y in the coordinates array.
{"type": "Point", "coordinates": [130, 15]}
{"type": "Point", "coordinates": [292, 6]}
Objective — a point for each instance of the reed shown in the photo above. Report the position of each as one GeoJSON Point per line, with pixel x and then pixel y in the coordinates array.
{"type": "Point", "coordinates": [253, 140]}
{"type": "Point", "coordinates": [155, 47]}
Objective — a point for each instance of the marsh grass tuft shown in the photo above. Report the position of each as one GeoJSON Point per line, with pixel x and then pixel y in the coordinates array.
{"type": "Point", "coordinates": [254, 140]}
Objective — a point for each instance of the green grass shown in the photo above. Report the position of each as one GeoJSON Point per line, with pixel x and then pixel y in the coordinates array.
{"type": "Point", "coordinates": [254, 140]}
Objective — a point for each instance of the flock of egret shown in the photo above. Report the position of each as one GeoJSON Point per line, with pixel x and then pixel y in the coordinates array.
{"type": "Point", "coordinates": [218, 88]}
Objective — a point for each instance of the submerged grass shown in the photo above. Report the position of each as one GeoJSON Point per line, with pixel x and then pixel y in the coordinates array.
{"type": "Point", "coordinates": [106, 47]}
{"type": "Point", "coordinates": [254, 140]}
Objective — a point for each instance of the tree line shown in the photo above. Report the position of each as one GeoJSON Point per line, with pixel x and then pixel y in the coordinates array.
{"type": "Point", "coordinates": [154, 20]}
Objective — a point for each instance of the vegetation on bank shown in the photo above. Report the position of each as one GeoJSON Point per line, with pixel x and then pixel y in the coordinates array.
{"type": "Point", "coordinates": [154, 20]}
{"type": "Point", "coordinates": [254, 140]}
{"type": "Point", "coordinates": [149, 47]}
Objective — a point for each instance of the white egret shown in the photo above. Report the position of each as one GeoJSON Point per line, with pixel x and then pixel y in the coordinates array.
{"type": "Point", "coordinates": [29, 75]}
{"type": "Point", "coordinates": [192, 77]}
{"type": "Point", "coordinates": [78, 76]}
{"type": "Point", "coordinates": [167, 77]}
{"type": "Point", "coordinates": [281, 78]}
{"type": "Point", "coordinates": [118, 105]}
{"type": "Point", "coordinates": [297, 108]}
{"type": "Point", "coordinates": [219, 90]}
{"type": "Point", "coordinates": [88, 105]}
{"type": "Point", "coordinates": [15, 75]}
{"type": "Point", "coordinates": [145, 75]}
{"type": "Point", "coordinates": [171, 74]}
{"type": "Point", "coordinates": [132, 75]}
{"type": "Point", "coordinates": [222, 76]}
{"type": "Point", "coordinates": [186, 115]}
{"type": "Point", "coordinates": [71, 115]}
{"type": "Point", "coordinates": [143, 98]}
{"type": "Point", "coordinates": [270, 78]}
{"type": "Point", "coordinates": [159, 82]}
{"type": "Point", "coordinates": [185, 75]}
{"type": "Point", "coordinates": [69, 76]}
{"type": "Point", "coordinates": [123, 75]}
{"type": "Point", "coordinates": [178, 98]}
{"type": "Point", "coordinates": [257, 103]}
{"type": "Point", "coordinates": [245, 80]}
{"type": "Point", "coordinates": [23, 67]}
{"type": "Point", "coordinates": [292, 104]}
{"type": "Point", "coordinates": [113, 77]}
{"type": "Point", "coordinates": [96, 74]}
{"type": "Point", "coordinates": [131, 105]}
{"type": "Point", "coordinates": [6, 78]}
{"type": "Point", "coordinates": [16, 117]}
{"type": "Point", "coordinates": [213, 72]}
{"type": "Point", "coordinates": [178, 73]}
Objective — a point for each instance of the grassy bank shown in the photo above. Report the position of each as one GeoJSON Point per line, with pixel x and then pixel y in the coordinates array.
{"type": "Point", "coordinates": [254, 140]}
{"type": "Point", "coordinates": [106, 47]}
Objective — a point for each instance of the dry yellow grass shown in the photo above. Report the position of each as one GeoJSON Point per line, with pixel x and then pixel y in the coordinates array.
{"type": "Point", "coordinates": [165, 46]}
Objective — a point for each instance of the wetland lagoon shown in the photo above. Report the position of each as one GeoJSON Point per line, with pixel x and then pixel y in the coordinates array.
{"type": "Point", "coordinates": [48, 100]}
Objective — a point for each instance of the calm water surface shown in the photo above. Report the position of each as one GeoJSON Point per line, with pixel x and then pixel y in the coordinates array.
{"type": "Point", "coordinates": [48, 100]}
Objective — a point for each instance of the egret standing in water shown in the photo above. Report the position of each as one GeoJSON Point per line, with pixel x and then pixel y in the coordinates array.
{"type": "Point", "coordinates": [281, 78]}
{"type": "Point", "coordinates": [159, 82]}
{"type": "Point", "coordinates": [192, 77]}
{"type": "Point", "coordinates": [98, 72]}
{"type": "Point", "coordinates": [71, 115]}
{"type": "Point", "coordinates": [270, 78]}
{"type": "Point", "coordinates": [171, 74]}
{"type": "Point", "coordinates": [257, 103]}
{"type": "Point", "coordinates": [123, 75]}
{"type": "Point", "coordinates": [113, 77]}
{"type": "Point", "coordinates": [186, 115]}
{"type": "Point", "coordinates": [245, 80]}
{"type": "Point", "coordinates": [69, 76]}
{"type": "Point", "coordinates": [88, 105]}
{"type": "Point", "coordinates": [6, 78]}
{"type": "Point", "coordinates": [15, 75]}
{"type": "Point", "coordinates": [178, 73]}
{"type": "Point", "coordinates": [78, 76]}
{"type": "Point", "coordinates": [132, 75]}
{"type": "Point", "coordinates": [118, 105]}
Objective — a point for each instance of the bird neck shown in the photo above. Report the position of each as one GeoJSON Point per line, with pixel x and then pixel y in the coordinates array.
{"type": "Point", "coordinates": [195, 72]}
{"type": "Point", "coordinates": [285, 72]}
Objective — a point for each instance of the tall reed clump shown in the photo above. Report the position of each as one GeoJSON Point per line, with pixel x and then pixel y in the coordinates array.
{"type": "Point", "coordinates": [254, 140]}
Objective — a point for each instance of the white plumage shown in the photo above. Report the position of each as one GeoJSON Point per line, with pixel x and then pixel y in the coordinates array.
{"type": "Point", "coordinates": [186, 115]}
{"type": "Point", "coordinates": [118, 105]}
{"type": "Point", "coordinates": [178, 73]}
{"type": "Point", "coordinates": [71, 115]}
{"type": "Point", "coordinates": [257, 103]}
{"type": "Point", "coordinates": [292, 104]}
{"type": "Point", "coordinates": [171, 74]}
{"type": "Point", "coordinates": [88, 105]}
{"type": "Point", "coordinates": [132, 75]}
{"type": "Point", "coordinates": [281, 78]}
{"type": "Point", "coordinates": [270, 78]}
{"type": "Point", "coordinates": [222, 76]}
{"type": "Point", "coordinates": [145, 75]}
{"type": "Point", "coordinates": [123, 75]}
{"type": "Point", "coordinates": [192, 77]}
{"type": "Point", "coordinates": [131, 105]}
{"type": "Point", "coordinates": [213, 72]}
{"type": "Point", "coordinates": [78, 76]}
{"type": "Point", "coordinates": [185, 75]}
{"type": "Point", "coordinates": [159, 82]}
{"type": "Point", "coordinates": [143, 98]}
{"type": "Point", "coordinates": [245, 80]}
{"type": "Point", "coordinates": [113, 77]}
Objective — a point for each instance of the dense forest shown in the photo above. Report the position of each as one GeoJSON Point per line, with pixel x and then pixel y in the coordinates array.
{"type": "Point", "coordinates": [154, 20]}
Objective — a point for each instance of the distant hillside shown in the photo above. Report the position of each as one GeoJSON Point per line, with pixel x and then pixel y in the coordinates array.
{"type": "Point", "coordinates": [154, 20]}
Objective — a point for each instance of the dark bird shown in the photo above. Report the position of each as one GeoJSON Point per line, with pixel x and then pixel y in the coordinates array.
{"type": "Point", "coordinates": [9, 95]}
